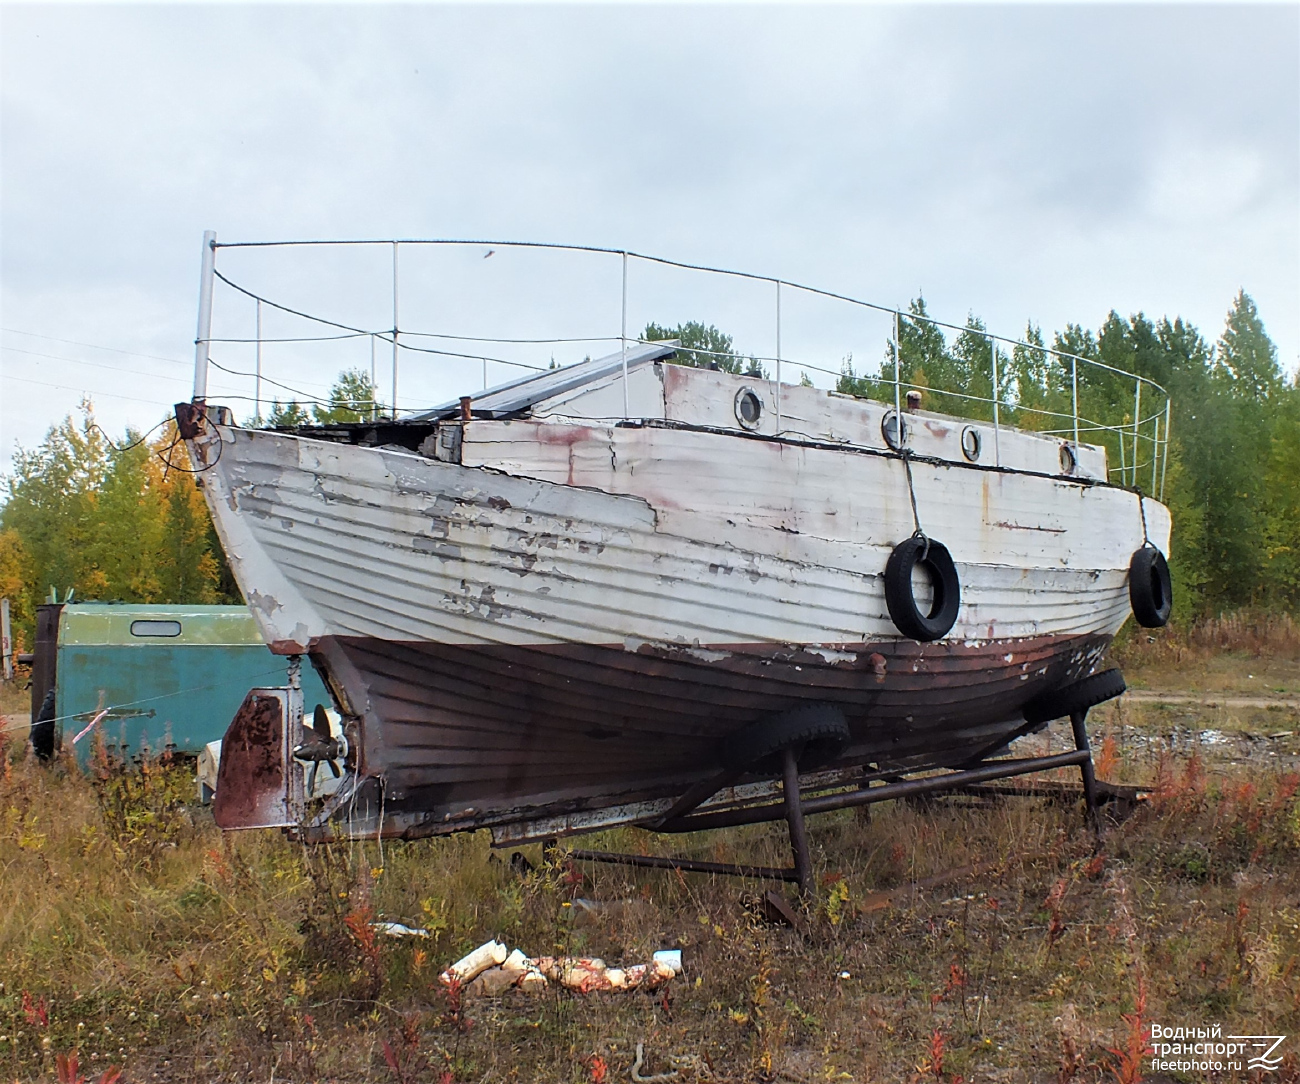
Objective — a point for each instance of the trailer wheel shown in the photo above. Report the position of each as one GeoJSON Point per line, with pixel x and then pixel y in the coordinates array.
{"type": "Point", "coordinates": [819, 729]}
{"type": "Point", "coordinates": [1077, 696]}
{"type": "Point", "coordinates": [901, 599]}
{"type": "Point", "coordinates": [1150, 591]}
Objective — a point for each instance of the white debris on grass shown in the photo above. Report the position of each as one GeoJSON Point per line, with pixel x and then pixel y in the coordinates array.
{"type": "Point", "coordinates": [490, 970]}
{"type": "Point", "coordinates": [398, 929]}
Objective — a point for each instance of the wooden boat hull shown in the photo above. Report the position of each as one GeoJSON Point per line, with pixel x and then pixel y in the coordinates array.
{"type": "Point", "coordinates": [488, 733]}
{"type": "Point", "coordinates": [574, 614]}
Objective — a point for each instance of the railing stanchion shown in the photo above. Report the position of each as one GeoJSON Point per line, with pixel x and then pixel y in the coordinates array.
{"type": "Point", "coordinates": [997, 443]}
{"type": "Point", "coordinates": [623, 338]}
{"type": "Point", "coordinates": [1137, 412]}
{"type": "Point", "coordinates": [374, 398]}
{"type": "Point", "coordinates": [1164, 459]}
{"type": "Point", "coordinates": [1074, 398]}
{"type": "Point", "coordinates": [1155, 455]}
{"type": "Point", "coordinates": [898, 392]}
{"type": "Point", "coordinates": [204, 333]}
{"type": "Point", "coordinates": [778, 357]}
{"type": "Point", "coordinates": [257, 384]}
{"type": "Point", "coordinates": [394, 331]}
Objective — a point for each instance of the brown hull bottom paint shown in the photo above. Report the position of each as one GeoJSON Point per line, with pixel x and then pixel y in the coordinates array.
{"type": "Point", "coordinates": [462, 735]}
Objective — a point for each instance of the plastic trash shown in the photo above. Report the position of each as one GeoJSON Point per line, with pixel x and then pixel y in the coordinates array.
{"type": "Point", "coordinates": [490, 970]}
{"type": "Point", "coordinates": [398, 929]}
{"type": "Point", "coordinates": [489, 954]}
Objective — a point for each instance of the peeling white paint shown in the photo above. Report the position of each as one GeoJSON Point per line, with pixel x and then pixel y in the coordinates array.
{"type": "Point", "coordinates": [678, 537]}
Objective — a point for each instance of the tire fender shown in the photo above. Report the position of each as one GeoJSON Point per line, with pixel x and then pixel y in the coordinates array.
{"type": "Point", "coordinates": [899, 597]}
{"type": "Point", "coordinates": [817, 732]}
{"type": "Point", "coordinates": [1077, 696]}
{"type": "Point", "coordinates": [1150, 591]}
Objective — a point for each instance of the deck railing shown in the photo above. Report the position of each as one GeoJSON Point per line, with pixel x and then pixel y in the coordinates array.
{"type": "Point", "coordinates": [1073, 397]}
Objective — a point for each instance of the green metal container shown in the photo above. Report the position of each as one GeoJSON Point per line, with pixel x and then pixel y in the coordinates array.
{"type": "Point", "coordinates": [163, 675]}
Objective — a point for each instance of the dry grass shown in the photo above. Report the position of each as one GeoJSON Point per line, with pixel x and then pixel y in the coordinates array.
{"type": "Point", "coordinates": [1212, 653]}
{"type": "Point", "coordinates": [136, 934]}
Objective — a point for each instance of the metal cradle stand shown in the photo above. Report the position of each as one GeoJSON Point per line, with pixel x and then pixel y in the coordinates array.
{"type": "Point", "coordinates": [873, 786]}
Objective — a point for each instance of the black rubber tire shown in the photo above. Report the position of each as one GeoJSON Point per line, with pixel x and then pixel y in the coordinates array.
{"type": "Point", "coordinates": [42, 733]}
{"type": "Point", "coordinates": [1077, 696]}
{"type": "Point", "coordinates": [817, 732]}
{"type": "Point", "coordinates": [1150, 591]}
{"type": "Point", "coordinates": [907, 616]}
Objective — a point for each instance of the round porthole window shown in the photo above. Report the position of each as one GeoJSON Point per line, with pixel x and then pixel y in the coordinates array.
{"type": "Point", "coordinates": [1068, 459]}
{"type": "Point", "coordinates": [971, 443]}
{"type": "Point", "coordinates": [749, 408]}
{"type": "Point", "coordinates": [889, 430]}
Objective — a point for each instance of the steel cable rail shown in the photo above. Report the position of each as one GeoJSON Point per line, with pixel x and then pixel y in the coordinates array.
{"type": "Point", "coordinates": [887, 310]}
{"type": "Point", "coordinates": [1126, 431]}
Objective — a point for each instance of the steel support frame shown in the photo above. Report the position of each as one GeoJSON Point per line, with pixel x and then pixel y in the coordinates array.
{"type": "Point", "coordinates": [794, 808]}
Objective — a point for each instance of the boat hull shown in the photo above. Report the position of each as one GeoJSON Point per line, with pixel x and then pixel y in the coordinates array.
{"type": "Point", "coordinates": [576, 615]}
{"type": "Point", "coordinates": [481, 734]}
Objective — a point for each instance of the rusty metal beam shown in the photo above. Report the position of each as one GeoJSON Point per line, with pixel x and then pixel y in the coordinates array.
{"type": "Point", "coordinates": [686, 865]}
{"type": "Point", "coordinates": [867, 795]}
{"type": "Point", "coordinates": [794, 819]}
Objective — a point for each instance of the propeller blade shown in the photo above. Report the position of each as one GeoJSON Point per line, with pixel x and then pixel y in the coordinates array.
{"type": "Point", "coordinates": [334, 767]}
{"type": "Point", "coordinates": [311, 779]}
{"type": "Point", "coordinates": [320, 722]}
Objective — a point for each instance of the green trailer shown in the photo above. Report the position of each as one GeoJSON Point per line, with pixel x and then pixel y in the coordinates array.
{"type": "Point", "coordinates": [150, 677]}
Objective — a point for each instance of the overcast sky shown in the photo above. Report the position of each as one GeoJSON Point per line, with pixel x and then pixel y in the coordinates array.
{"type": "Point", "coordinates": [1020, 162]}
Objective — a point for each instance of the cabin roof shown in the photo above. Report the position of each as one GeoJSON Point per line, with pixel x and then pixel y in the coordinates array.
{"type": "Point", "coordinates": [527, 391]}
{"type": "Point", "coordinates": [122, 624]}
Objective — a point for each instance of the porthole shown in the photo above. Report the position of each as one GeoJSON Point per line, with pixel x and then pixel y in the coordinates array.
{"type": "Point", "coordinates": [749, 408]}
{"type": "Point", "coordinates": [155, 628]}
{"type": "Point", "coordinates": [971, 443]}
{"type": "Point", "coordinates": [1068, 459]}
{"type": "Point", "coordinates": [889, 430]}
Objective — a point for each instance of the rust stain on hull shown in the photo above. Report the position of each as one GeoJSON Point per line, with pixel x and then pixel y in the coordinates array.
{"type": "Point", "coordinates": [251, 790]}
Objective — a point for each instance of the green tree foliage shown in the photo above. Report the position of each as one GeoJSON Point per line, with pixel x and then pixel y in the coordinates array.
{"type": "Point", "coordinates": [352, 399]}
{"type": "Point", "coordinates": [115, 522]}
{"type": "Point", "coordinates": [704, 347]}
{"type": "Point", "coordinates": [923, 362]}
{"type": "Point", "coordinates": [1234, 429]}
{"type": "Point", "coordinates": [288, 416]}
{"type": "Point", "coordinates": [1281, 511]}
{"type": "Point", "coordinates": [14, 587]}
{"type": "Point", "coordinates": [1247, 356]}
{"type": "Point", "coordinates": [1037, 384]}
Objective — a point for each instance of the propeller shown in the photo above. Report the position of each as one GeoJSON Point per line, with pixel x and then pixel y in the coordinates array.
{"type": "Point", "coordinates": [319, 744]}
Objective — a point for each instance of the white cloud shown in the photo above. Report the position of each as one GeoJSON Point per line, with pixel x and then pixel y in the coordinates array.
{"type": "Point", "coordinates": [1045, 162]}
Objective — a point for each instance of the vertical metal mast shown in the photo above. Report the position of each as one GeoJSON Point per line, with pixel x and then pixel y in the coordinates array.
{"type": "Point", "coordinates": [257, 389]}
{"type": "Point", "coordinates": [204, 333]}
{"type": "Point", "coordinates": [1137, 410]}
{"type": "Point", "coordinates": [997, 436]}
{"type": "Point", "coordinates": [394, 331]}
{"type": "Point", "coordinates": [1074, 400]}
{"type": "Point", "coordinates": [898, 376]}
{"type": "Point", "coordinates": [623, 338]}
{"type": "Point", "coordinates": [1164, 460]}
{"type": "Point", "coordinates": [374, 394]}
{"type": "Point", "coordinates": [778, 357]}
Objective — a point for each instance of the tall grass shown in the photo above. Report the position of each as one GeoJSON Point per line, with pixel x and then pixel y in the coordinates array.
{"type": "Point", "coordinates": [133, 933]}
{"type": "Point", "coordinates": [1245, 632]}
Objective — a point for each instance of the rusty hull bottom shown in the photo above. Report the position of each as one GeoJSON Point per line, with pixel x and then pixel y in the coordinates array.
{"type": "Point", "coordinates": [461, 736]}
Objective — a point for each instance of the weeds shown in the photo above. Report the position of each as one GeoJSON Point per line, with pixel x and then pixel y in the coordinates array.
{"type": "Point", "coordinates": [401, 1052]}
{"type": "Point", "coordinates": [67, 1070]}
{"type": "Point", "coordinates": [1246, 632]}
{"type": "Point", "coordinates": [133, 932]}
